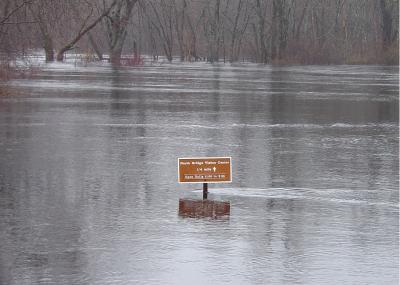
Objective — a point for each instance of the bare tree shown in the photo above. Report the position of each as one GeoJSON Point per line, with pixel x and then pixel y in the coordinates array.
{"type": "Point", "coordinates": [389, 27]}
{"type": "Point", "coordinates": [238, 23]}
{"type": "Point", "coordinates": [95, 46]}
{"type": "Point", "coordinates": [116, 23]}
{"type": "Point", "coordinates": [51, 15]}
{"type": "Point", "coordinates": [179, 23]}
{"type": "Point", "coordinates": [43, 12]}
{"type": "Point", "coordinates": [160, 16]}
{"type": "Point", "coordinates": [85, 28]}
{"type": "Point", "coordinates": [277, 31]}
{"type": "Point", "coordinates": [193, 21]}
{"type": "Point", "coordinates": [212, 28]}
{"type": "Point", "coordinates": [260, 31]}
{"type": "Point", "coordinates": [12, 16]}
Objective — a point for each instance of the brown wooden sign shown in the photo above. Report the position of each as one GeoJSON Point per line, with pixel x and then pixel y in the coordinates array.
{"type": "Point", "coordinates": [205, 170]}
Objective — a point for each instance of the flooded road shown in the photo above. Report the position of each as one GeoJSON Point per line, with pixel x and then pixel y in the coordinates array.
{"type": "Point", "coordinates": [88, 175]}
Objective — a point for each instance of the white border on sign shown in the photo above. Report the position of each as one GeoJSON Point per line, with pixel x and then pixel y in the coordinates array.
{"type": "Point", "coordinates": [205, 157]}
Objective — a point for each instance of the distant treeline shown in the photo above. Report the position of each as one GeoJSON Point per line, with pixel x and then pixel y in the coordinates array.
{"type": "Point", "coordinates": [263, 31]}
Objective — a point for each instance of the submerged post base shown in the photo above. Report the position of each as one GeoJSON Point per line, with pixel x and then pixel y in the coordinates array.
{"type": "Point", "coordinates": [204, 209]}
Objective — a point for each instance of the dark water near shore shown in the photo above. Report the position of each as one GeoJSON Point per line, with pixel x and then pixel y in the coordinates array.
{"type": "Point", "coordinates": [88, 175]}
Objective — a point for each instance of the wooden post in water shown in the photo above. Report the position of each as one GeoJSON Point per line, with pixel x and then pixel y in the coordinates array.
{"type": "Point", "coordinates": [205, 191]}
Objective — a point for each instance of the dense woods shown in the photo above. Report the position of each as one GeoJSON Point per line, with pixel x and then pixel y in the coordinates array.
{"type": "Point", "coordinates": [263, 31]}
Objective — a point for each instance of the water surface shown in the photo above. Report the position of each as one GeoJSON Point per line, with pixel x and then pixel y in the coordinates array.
{"type": "Point", "coordinates": [88, 175]}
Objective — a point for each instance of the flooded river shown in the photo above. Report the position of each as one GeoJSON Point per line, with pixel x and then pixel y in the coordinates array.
{"type": "Point", "coordinates": [88, 175]}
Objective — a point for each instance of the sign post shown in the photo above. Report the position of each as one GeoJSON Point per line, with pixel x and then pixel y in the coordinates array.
{"type": "Point", "coordinates": [205, 170]}
{"type": "Point", "coordinates": [205, 191]}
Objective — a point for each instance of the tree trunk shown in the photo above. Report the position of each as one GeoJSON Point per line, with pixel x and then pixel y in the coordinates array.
{"type": "Point", "coordinates": [300, 24]}
{"type": "Point", "coordinates": [274, 28]}
{"type": "Point", "coordinates": [283, 28]}
{"type": "Point", "coordinates": [261, 33]}
{"type": "Point", "coordinates": [179, 27]}
{"type": "Point", "coordinates": [233, 55]}
{"type": "Point", "coordinates": [48, 48]}
{"type": "Point", "coordinates": [192, 40]}
{"type": "Point", "coordinates": [387, 20]}
{"type": "Point", "coordinates": [116, 51]}
{"type": "Point", "coordinates": [95, 46]}
{"type": "Point", "coordinates": [214, 56]}
{"type": "Point", "coordinates": [163, 24]}
{"type": "Point", "coordinates": [117, 23]}
{"type": "Point", "coordinates": [47, 39]}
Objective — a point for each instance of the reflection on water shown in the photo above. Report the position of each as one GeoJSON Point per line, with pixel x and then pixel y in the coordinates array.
{"type": "Point", "coordinates": [204, 209]}
{"type": "Point", "coordinates": [88, 175]}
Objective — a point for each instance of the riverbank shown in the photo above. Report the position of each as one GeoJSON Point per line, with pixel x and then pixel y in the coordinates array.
{"type": "Point", "coordinates": [28, 65]}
